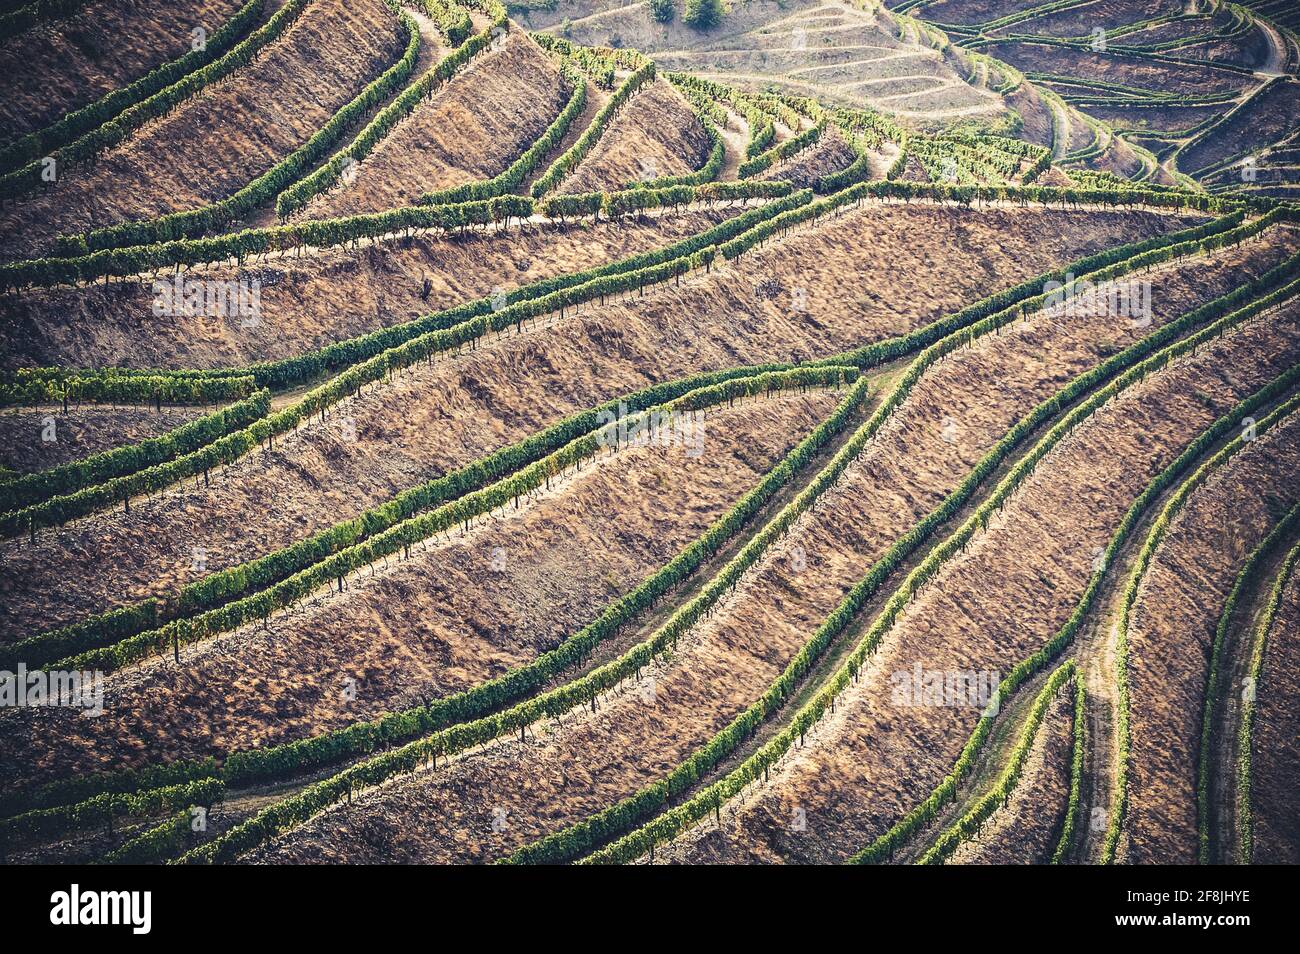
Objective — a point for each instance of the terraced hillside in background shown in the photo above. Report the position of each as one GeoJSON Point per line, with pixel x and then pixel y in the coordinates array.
{"type": "Point", "coordinates": [445, 432]}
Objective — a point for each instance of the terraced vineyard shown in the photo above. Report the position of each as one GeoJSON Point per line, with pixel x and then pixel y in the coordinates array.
{"type": "Point", "coordinates": [823, 432]}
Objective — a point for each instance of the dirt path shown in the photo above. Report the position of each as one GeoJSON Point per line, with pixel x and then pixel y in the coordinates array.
{"type": "Point", "coordinates": [1060, 131]}
{"type": "Point", "coordinates": [1278, 54]}
{"type": "Point", "coordinates": [735, 139]}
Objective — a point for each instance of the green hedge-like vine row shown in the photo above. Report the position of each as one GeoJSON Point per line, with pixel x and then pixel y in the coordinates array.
{"type": "Point", "coordinates": [27, 16]}
{"type": "Point", "coordinates": [44, 142]}
{"type": "Point", "coordinates": [1119, 800]}
{"type": "Point", "coordinates": [333, 232]}
{"type": "Point", "coordinates": [1074, 803]}
{"type": "Point", "coordinates": [673, 822]}
{"type": "Point", "coordinates": [53, 384]}
{"type": "Point", "coordinates": [262, 190]}
{"type": "Point", "coordinates": [1245, 578]}
{"type": "Point", "coordinates": [146, 388]}
{"type": "Point", "coordinates": [567, 161]}
{"type": "Point", "coordinates": [302, 191]}
{"type": "Point", "coordinates": [104, 809]}
{"type": "Point", "coordinates": [597, 64]}
{"type": "Point", "coordinates": [115, 130]}
{"type": "Point", "coordinates": [68, 478]}
{"type": "Point", "coordinates": [157, 845]}
{"type": "Point", "coordinates": [1246, 728]}
{"type": "Point", "coordinates": [983, 809]}
{"type": "Point", "coordinates": [762, 129]}
{"type": "Point", "coordinates": [457, 737]}
{"type": "Point", "coordinates": [451, 19]}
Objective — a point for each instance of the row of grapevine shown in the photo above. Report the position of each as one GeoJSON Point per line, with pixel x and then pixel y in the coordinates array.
{"type": "Point", "coordinates": [37, 11]}
{"type": "Point", "coordinates": [585, 836]}
{"type": "Point", "coordinates": [672, 823]}
{"type": "Point", "coordinates": [304, 189]}
{"type": "Point", "coordinates": [598, 64]}
{"type": "Point", "coordinates": [239, 246]}
{"type": "Point", "coordinates": [145, 388]}
{"type": "Point", "coordinates": [615, 205]}
{"type": "Point", "coordinates": [452, 20]}
{"type": "Point", "coordinates": [112, 131]}
{"type": "Point", "coordinates": [104, 809]}
{"type": "Point", "coordinates": [444, 742]}
{"type": "Point", "coordinates": [1134, 53]}
{"type": "Point", "coordinates": [567, 161]}
{"type": "Point", "coordinates": [1039, 157]}
{"type": "Point", "coordinates": [78, 122]}
{"type": "Point", "coordinates": [156, 845]}
{"type": "Point", "coordinates": [68, 478]}
{"type": "Point", "coordinates": [1245, 731]}
{"type": "Point", "coordinates": [877, 353]}
{"type": "Point", "coordinates": [262, 190]}
{"type": "Point", "coordinates": [52, 384]}
{"type": "Point", "coordinates": [1074, 804]}
{"type": "Point", "coordinates": [1246, 578]}
{"type": "Point", "coordinates": [1119, 798]}
{"type": "Point", "coordinates": [997, 796]}
{"type": "Point", "coordinates": [401, 535]}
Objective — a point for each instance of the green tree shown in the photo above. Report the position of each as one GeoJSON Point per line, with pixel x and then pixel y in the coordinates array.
{"type": "Point", "coordinates": [703, 14]}
{"type": "Point", "coordinates": [663, 10]}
